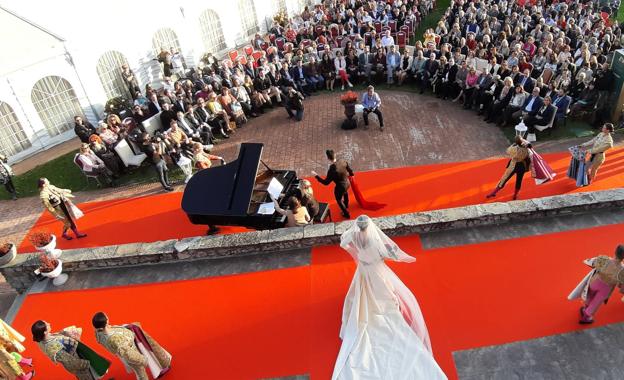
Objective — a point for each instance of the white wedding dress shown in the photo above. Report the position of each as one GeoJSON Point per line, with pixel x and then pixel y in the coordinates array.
{"type": "Point", "coordinates": [383, 332]}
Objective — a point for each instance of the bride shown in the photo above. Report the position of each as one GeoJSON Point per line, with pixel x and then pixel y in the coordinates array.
{"type": "Point", "coordinates": [383, 331]}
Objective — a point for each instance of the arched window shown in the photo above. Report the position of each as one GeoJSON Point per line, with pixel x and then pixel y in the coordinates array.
{"type": "Point", "coordinates": [165, 38]}
{"type": "Point", "coordinates": [249, 21]}
{"type": "Point", "coordinates": [109, 71]}
{"type": "Point", "coordinates": [279, 5]}
{"type": "Point", "coordinates": [212, 34]}
{"type": "Point", "coordinates": [12, 136]}
{"type": "Point", "coordinates": [56, 103]}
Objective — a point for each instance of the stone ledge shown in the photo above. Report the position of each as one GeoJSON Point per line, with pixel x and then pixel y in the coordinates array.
{"type": "Point", "coordinates": [19, 273]}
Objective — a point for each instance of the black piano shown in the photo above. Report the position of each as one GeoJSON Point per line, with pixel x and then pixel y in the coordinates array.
{"type": "Point", "coordinates": [230, 195]}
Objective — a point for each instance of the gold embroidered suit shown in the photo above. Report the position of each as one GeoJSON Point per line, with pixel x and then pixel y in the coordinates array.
{"type": "Point", "coordinates": [62, 349]}
{"type": "Point", "coordinates": [119, 341]}
{"type": "Point", "coordinates": [10, 341]}
{"type": "Point", "coordinates": [599, 145]}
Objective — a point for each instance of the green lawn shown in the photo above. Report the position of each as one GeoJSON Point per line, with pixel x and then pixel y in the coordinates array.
{"type": "Point", "coordinates": [432, 19]}
{"type": "Point", "coordinates": [62, 172]}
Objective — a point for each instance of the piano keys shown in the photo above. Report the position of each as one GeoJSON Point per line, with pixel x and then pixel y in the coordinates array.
{"type": "Point", "coordinates": [231, 194]}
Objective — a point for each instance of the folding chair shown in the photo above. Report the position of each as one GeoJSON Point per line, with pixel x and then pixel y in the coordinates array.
{"type": "Point", "coordinates": [233, 54]}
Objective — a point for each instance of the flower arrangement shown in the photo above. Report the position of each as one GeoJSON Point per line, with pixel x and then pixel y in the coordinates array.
{"type": "Point", "coordinates": [281, 18]}
{"type": "Point", "coordinates": [40, 239]}
{"type": "Point", "coordinates": [5, 248]}
{"type": "Point", "coordinates": [348, 97]}
{"type": "Point", "coordinates": [46, 263]}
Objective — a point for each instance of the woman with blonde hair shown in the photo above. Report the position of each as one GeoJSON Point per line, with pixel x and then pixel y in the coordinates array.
{"type": "Point", "coordinates": [305, 195]}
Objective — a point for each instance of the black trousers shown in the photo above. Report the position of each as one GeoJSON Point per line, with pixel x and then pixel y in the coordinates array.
{"type": "Point", "coordinates": [518, 171]}
{"type": "Point", "coordinates": [162, 172]}
{"type": "Point", "coordinates": [376, 112]}
{"type": "Point", "coordinates": [342, 198]}
{"type": "Point", "coordinates": [10, 187]}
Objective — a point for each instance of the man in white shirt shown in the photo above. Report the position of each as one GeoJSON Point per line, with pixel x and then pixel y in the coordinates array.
{"type": "Point", "coordinates": [387, 40]}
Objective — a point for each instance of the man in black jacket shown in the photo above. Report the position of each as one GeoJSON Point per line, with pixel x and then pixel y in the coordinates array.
{"type": "Point", "coordinates": [83, 129]}
{"type": "Point", "coordinates": [294, 102]}
{"type": "Point", "coordinates": [542, 117]}
{"type": "Point", "coordinates": [338, 173]}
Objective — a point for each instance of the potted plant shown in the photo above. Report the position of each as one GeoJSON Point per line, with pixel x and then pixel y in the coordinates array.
{"type": "Point", "coordinates": [45, 242]}
{"type": "Point", "coordinates": [348, 100]}
{"type": "Point", "coordinates": [51, 268]}
{"type": "Point", "coordinates": [8, 251]}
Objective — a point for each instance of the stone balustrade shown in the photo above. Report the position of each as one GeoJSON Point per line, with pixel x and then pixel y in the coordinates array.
{"type": "Point", "coordinates": [19, 273]}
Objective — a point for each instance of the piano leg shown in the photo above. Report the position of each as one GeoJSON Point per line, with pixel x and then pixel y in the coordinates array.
{"type": "Point", "coordinates": [212, 229]}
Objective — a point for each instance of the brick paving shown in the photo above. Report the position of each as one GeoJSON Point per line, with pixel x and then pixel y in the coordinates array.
{"type": "Point", "coordinates": [419, 130]}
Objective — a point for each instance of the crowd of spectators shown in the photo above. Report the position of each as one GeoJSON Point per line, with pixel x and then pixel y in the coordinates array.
{"type": "Point", "coordinates": [505, 59]}
{"type": "Point", "coordinates": [512, 60]}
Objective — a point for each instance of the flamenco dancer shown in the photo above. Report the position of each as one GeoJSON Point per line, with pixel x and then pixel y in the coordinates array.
{"type": "Point", "coordinates": [383, 331]}
{"type": "Point", "coordinates": [57, 201]}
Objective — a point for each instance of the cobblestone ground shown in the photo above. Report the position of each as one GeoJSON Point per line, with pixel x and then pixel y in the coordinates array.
{"type": "Point", "coordinates": [418, 130]}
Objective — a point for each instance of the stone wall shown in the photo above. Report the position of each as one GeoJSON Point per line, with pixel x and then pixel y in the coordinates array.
{"type": "Point", "coordinates": [20, 276]}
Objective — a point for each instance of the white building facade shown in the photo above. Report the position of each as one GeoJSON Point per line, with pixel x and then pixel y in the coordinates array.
{"type": "Point", "coordinates": [63, 58]}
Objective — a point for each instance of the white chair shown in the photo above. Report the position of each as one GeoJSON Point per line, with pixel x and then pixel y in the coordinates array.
{"type": "Point", "coordinates": [127, 155]}
{"type": "Point", "coordinates": [410, 49]}
{"type": "Point", "coordinates": [153, 124]}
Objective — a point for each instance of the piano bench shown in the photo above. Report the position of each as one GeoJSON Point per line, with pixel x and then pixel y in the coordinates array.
{"type": "Point", "coordinates": [323, 214]}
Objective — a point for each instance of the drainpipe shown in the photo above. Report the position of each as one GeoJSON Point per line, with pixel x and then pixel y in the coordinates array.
{"type": "Point", "coordinates": [70, 60]}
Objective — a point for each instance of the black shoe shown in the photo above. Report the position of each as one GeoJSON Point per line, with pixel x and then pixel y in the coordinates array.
{"type": "Point", "coordinates": [168, 188]}
{"type": "Point", "coordinates": [346, 215]}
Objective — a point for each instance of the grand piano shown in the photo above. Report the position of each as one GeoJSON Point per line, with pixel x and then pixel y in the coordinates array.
{"type": "Point", "coordinates": [231, 194]}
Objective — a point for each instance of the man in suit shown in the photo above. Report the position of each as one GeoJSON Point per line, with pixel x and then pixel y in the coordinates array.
{"type": "Point", "coordinates": [542, 117]}
{"type": "Point", "coordinates": [181, 104]}
{"type": "Point", "coordinates": [525, 81]}
{"type": "Point", "coordinates": [338, 173]}
{"type": "Point", "coordinates": [153, 106]}
{"type": "Point", "coordinates": [167, 115]}
{"type": "Point", "coordinates": [430, 68]}
{"type": "Point", "coordinates": [531, 105]}
{"type": "Point", "coordinates": [83, 129]}
{"type": "Point", "coordinates": [299, 78]}
{"type": "Point", "coordinates": [562, 102]}
{"type": "Point", "coordinates": [393, 61]}
{"type": "Point", "coordinates": [313, 75]}
{"type": "Point", "coordinates": [365, 63]}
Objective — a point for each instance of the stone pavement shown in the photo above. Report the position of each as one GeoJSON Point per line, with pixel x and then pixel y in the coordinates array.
{"type": "Point", "coordinates": [419, 130]}
{"type": "Point", "coordinates": [591, 354]}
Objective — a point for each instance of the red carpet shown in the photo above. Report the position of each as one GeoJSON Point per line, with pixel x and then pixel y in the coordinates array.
{"type": "Point", "coordinates": [286, 322]}
{"type": "Point", "coordinates": [404, 190]}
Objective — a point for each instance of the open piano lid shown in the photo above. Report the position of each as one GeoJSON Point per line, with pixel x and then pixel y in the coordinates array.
{"type": "Point", "coordinates": [224, 190]}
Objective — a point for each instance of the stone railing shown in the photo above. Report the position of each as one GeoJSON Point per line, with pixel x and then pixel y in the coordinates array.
{"type": "Point", "coordinates": [19, 273]}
